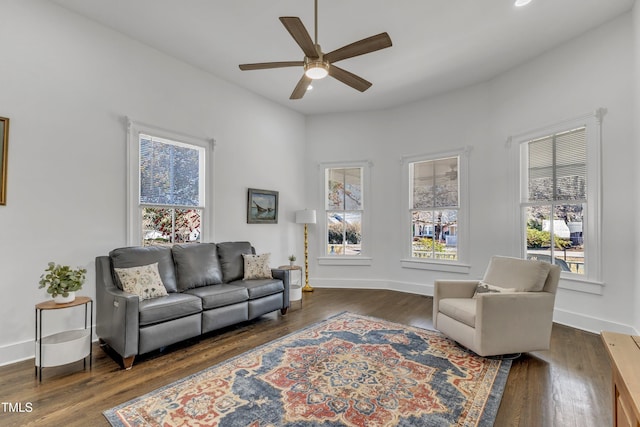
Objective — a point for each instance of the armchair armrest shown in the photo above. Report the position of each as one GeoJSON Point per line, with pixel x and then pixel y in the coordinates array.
{"type": "Point", "coordinates": [450, 289]}
{"type": "Point", "coordinates": [117, 321]}
{"type": "Point", "coordinates": [521, 320]}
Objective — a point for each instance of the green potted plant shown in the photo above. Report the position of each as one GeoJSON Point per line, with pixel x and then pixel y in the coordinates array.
{"type": "Point", "coordinates": [62, 282]}
{"type": "Point", "coordinates": [292, 259]}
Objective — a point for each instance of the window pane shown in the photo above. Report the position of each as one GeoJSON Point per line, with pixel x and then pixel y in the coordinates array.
{"type": "Point", "coordinates": [446, 182]}
{"type": "Point", "coordinates": [344, 233]}
{"type": "Point", "coordinates": [435, 234]}
{"type": "Point", "coordinates": [571, 165]}
{"type": "Point", "coordinates": [423, 180]}
{"type": "Point", "coordinates": [167, 226]}
{"type": "Point", "coordinates": [541, 169]}
{"type": "Point", "coordinates": [538, 239]}
{"type": "Point", "coordinates": [169, 172]}
{"type": "Point", "coordinates": [344, 188]}
{"type": "Point", "coordinates": [569, 245]}
{"type": "Point", "coordinates": [353, 233]}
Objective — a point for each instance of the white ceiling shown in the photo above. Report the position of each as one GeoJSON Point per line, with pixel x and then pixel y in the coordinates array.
{"type": "Point", "coordinates": [438, 45]}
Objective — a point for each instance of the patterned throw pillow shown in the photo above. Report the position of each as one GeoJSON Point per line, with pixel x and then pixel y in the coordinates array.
{"type": "Point", "coordinates": [257, 266]}
{"type": "Point", "coordinates": [143, 281]}
{"type": "Point", "coordinates": [485, 288]}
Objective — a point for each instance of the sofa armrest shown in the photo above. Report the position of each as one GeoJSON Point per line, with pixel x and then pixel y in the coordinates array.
{"type": "Point", "coordinates": [283, 275]}
{"type": "Point", "coordinates": [116, 312]}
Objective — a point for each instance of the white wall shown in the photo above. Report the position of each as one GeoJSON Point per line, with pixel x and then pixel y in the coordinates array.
{"type": "Point", "coordinates": [592, 71]}
{"type": "Point", "coordinates": [67, 85]}
{"type": "Point", "coordinates": [636, 112]}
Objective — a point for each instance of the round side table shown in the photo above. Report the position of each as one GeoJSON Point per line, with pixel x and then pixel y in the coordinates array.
{"type": "Point", "coordinates": [295, 282]}
{"type": "Point", "coordinates": [67, 346]}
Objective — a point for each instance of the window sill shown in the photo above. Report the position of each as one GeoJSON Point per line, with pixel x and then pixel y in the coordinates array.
{"type": "Point", "coordinates": [435, 265]}
{"type": "Point", "coordinates": [345, 260]}
{"type": "Point", "coordinates": [578, 284]}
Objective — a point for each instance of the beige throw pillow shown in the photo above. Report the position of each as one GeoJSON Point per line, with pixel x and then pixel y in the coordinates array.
{"type": "Point", "coordinates": [143, 281]}
{"type": "Point", "coordinates": [257, 266]}
{"type": "Point", "coordinates": [485, 288]}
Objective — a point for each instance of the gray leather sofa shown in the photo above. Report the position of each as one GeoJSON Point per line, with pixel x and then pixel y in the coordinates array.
{"type": "Point", "coordinates": [206, 291]}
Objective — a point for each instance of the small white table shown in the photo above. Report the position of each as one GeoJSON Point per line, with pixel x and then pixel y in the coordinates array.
{"type": "Point", "coordinates": [295, 282]}
{"type": "Point", "coordinates": [67, 346]}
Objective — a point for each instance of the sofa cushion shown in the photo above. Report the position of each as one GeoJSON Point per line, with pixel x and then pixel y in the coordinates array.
{"type": "Point", "coordinates": [257, 266]}
{"type": "Point", "coordinates": [143, 281]}
{"type": "Point", "coordinates": [231, 261]}
{"type": "Point", "coordinates": [259, 288]}
{"type": "Point", "coordinates": [136, 256]}
{"type": "Point", "coordinates": [219, 295]}
{"type": "Point", "coordinates": [172, 306]}
{"type": "Point", "coordinates": [196, 265]}
{"type": "Point", "coordinates": [521, 274]}
{"type": "Point", "coordinates": [461, 309]}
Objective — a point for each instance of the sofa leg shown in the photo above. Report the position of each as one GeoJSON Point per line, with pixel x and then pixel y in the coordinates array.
{"type": "Point", "coordinates": [127, 362]}
{"type": "Point", "coordinates": [284, 310]}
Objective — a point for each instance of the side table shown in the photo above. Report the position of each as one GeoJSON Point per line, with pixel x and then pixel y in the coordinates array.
{"type": "Point", "coordinates": [67, 346]}
{"type": "Point", "coordinates": [295, 282]}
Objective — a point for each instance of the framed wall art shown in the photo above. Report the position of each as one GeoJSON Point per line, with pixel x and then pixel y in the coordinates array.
{"type": "Point", "coordinates": [262, 207]}
{"type": "Point", "coordinates": [4, 154]}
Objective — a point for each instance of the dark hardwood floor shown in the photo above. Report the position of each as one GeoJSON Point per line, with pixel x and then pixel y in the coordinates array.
{"type": "Point", "coordinates": [566, 386]}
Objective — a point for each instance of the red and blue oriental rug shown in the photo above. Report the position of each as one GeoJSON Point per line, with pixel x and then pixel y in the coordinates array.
{"type": "Point", "coordinates": [349, 370]}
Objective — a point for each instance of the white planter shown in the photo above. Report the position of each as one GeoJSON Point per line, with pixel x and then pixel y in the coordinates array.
{"type": "Point", "coordinates": [59, 299]}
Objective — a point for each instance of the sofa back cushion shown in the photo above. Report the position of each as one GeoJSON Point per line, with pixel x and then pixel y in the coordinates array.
{"type": "Point", "coordinates": [136, 256]}
{"type": "Point", "coordinates": [521, 274]}
{"type": "Point", "coordinates": [196, 265]}
{"type": "Point", "coordinates": [231, 260]}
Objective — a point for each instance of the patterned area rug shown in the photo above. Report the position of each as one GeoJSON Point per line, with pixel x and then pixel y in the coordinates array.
{"type": "Point", "coordinates": [349, 370]}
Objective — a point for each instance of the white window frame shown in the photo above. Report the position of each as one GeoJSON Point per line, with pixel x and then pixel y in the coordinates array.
{"type": "Point", "coordinates": [591, 281]}
{"type": "Point", "coordinates": [364, 258]}
{"type": "Point", "coordinates": [134, 209]}
{"type": "Point", "coordinates": [461, 265]}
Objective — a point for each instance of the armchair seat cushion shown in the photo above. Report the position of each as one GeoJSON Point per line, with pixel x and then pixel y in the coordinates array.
{"type": "Point", "coordinates": [219, 295]}
{"type": "Point", "coordinates": [460, 309]}
{"type": "Point", "coordinates": [259, 288]}
{"type": "Point", "coordinates": [172, 306]}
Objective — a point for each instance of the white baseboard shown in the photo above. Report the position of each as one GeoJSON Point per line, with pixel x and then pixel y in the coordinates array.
{"type": "Point", "coordinates": [563, 317]}
{"type": "Point", "coordinates": [17, 352]}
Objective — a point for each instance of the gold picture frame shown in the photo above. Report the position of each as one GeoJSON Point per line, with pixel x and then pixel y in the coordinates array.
{"type": "Point", "coordinates": [4, 154]}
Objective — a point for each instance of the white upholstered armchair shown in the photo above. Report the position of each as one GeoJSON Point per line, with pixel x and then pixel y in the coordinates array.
{"type": "Point", "coordinates": [509, 311]}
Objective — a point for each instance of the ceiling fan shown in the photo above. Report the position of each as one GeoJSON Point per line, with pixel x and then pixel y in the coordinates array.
{"type": "Point", "coordinates": [317, 64]}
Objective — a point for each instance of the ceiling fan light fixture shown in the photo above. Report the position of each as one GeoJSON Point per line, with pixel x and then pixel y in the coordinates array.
{"type": "Point", "coordinates": [520, 3]}
{"type": "Point", "coordinates": [316, 69]}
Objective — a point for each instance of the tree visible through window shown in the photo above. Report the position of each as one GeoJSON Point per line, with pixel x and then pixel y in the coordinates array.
{"type": "Point", "coordinates": [171, 190]}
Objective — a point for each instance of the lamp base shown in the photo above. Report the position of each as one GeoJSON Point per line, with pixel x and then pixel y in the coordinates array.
{"type": "Point", "coordinates": [307, 288]}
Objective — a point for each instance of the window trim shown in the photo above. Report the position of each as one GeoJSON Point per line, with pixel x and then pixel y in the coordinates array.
{"type": "Point", "coordinates": [461, 265]}
{"type": "Point", "coordinates": [591, 282]}
{"type": "Point", "coordinates": [133, 205]}
{"type": "Point", "coordinates": [364, 259]}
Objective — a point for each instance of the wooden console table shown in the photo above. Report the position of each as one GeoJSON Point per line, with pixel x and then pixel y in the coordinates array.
{"type": "Point", "coordinates": [624, 351]}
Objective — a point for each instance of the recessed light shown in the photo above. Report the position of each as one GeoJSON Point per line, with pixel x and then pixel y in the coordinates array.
{"type": "Point", "coordinates": [520, 3]}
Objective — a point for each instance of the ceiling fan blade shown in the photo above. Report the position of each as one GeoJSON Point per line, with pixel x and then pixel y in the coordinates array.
{"type": "Point", "coordinates": [370, 44]}
{"type": "Point", "coordinates": [301, 87]}
{"type": "Point", "coordinates": [349, 79]}
{"type": "Point", "coordinates": [300, 34]}
{"type": "Point", "coordinates": [267, 65]}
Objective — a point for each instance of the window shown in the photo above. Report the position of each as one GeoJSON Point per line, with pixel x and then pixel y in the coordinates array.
{"type": "Point", "coordinates": [344, 220]}
{"type": "Point", "coordinates": [558, 197]}
{"type": "Point", "coordinates": [436, 211]}
{"type": "Point", "coordinates": [167, 177]}
{"type": "Point", "coordinates": [435, 196]}
{"type": "Point", "coordinates": [344, 210]}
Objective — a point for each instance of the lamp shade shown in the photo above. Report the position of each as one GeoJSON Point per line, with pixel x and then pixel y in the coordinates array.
{"type": "Point", "coordinates": [306, 216]}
